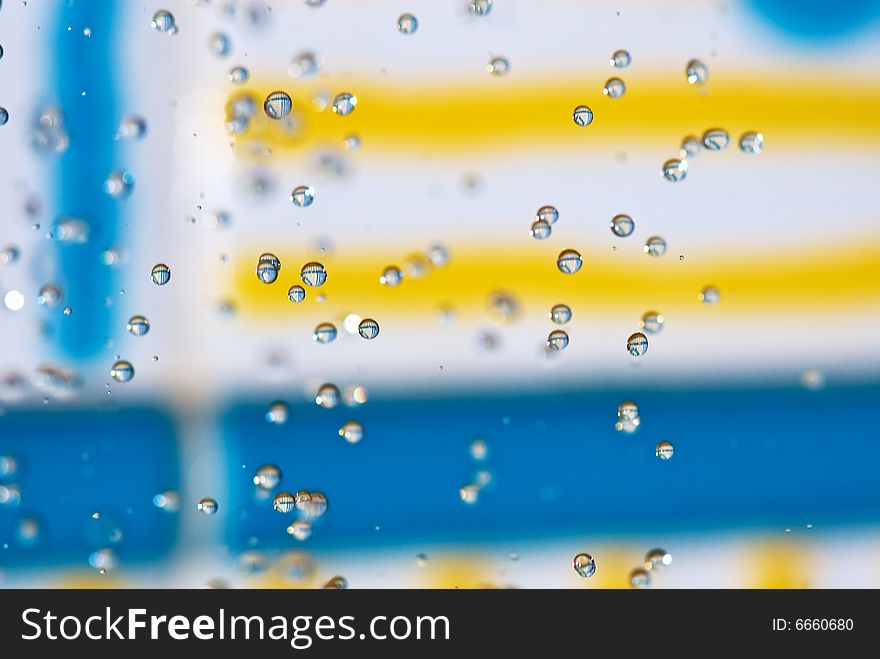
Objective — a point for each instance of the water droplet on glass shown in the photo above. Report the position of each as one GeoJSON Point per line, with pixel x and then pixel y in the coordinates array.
{"type": "Point", "coordinates": [267, 268]}
{"type": "Point", "coordinates": [207, 506]}
{"type": "Point", "coordinates": [296, 294]}
{"type": "Point", "coordinates": [407, 24]}
{"type": "Point", "coordinates": [639, 578]}
{"type": "Point", "coordinates": [13, 300]}
{"type": "Point", "coordinates": [284, 502]}
{"type": "Point", "coordinates": [122, 371]}
{"type": "Point", "coordinates": [10, 254]}
{"type": "Point", "coordinates": [622, 225]}
{"type": "Point", "coordinates": [368, 328]}
{"type": "Point", "coordinates": [163, 21]}
{"type": "Point", "coordinates": [324, 333]}
{"type": "Point", "coordinates": [137, 325]}
{"type": "Point", "coordinates": [621, 59]}
{"type": "Point", "coordinates": [651, 322]}
{"type": "Point", "coordinates": [277, 105]}
{"type": "Point", "coordinates": [169, 501]}
{"type": "Point", "coordinates": [438, 255]}
{"type": "Point", "coordinates": [665, 450]}
{"type": "Point", "coordinates": [160, 274]}
{"type": "Point", "coordinates": [751, 142]}
{"type": "Point", "coordinates": [716, 139]}
{"type": "Point", "coordinates": [637, 344]}
{"type": "Point", "coordinates": [582, 115]}
{"type": "Point", "coordinates": [657, 558]}
{"type": "Point", "coordinates": [132, 127]}
{"type": "Point", "coordinates": [278, 412]}
{"type": "Point", "coordinates": [327, 396]}
{"type": "Point", "coordinates": [540, 230]}
{"type": "Point", "coordinates": [655, 246]}
{"type": "Point", "coordinates": [479, 450]}
{"type": "Point", "coordinates": [267, 477]}
{"type": "Point", "coordinates": [614, 88]}
{"type": "Point", "coordinates": [560, 314]}
{"type": "Point", "coordinates": [811, 379]}
{"type": "Point", "coordinates": [675, 169]}
{"type": "Point", "coordinates": [469, 494]}
{"type": "Point", "coordinates": [710, 295]}
{"type": "Point", "coordinates": [557, 340]}
{"type": "Point", "coordinates": [352, 142]}
{"type": "Point", "coordinates": [119, 183]}
{"type": "Point", "coordinates": [569, 261]}
{"type": "Point", "coordinates": [498, 66]}
{"type": "Point", "coordinates": [344, 103]}
{"type": "Point", "coordinates": [4, 116]}
{"type": "Point", "coordinates": [690, 147]}
{"type": "Point", "coordinates": [219, 44]}
{"type": "Point", "coordinates": [697, 72]}
{"type": "Point", "coordinates": [304, 65]}
{"type": "Point", "coordinates": [391, 276]}
{"type": "Point", "coordinates": [547, 214]}
{"type": "Point", "coordinates": [336, 583]}
{"type": "Point", "coordinates": [301, 529]}
{"type": "Point", "coordinates": [238, 75]}
{"type": "Point", "coordinates": [103, 560]}
{"type": "Point", "coordinates": [50, 295]}
{"type": "Point", "coordinates": [584, 565]}
{"type": "Point", "coordinates": [302, 196]}
{"type": "Point", "coordinates": [480, 7]}
{"type": "Point", "coordinates": [352, 432]}
{"type": "Point", "coordinates": [313, 274]}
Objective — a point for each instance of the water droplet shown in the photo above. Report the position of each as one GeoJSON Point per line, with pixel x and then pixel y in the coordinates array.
{"type": "Point", "coordinates": [622, 225]}
{"type": "Point", "coordinates": [716, 139]}
{"type": "Point", "coordinates": [498, 66]}
{"type": "Point", "coordinates": [697, 72]}
{"type": "Point", "coordinates": [560, 314]}
{"type": "Point", "coordinates": [547, 214]}
{"type": "Point", "coordinates": [651, 322]}
{"type": "Point", "coordinates": [324, 333]}
{"type": "Point", "coordinates": [628, 410]}
{"type": "Point", "coordinates": [479, 450]}
{"type": "Point", "coordinates": [710, 295]}
{"type": "Point", "coordinates": [675, 169]}
{"type": "Point", "coordinates": [690, 147]}
{"type": "Point", "coordinates": [639, 578]}
{"type": "Point", "coordinates": [657, 558]}
{"type": "Point", "coordinates": [352, 142]}
{"type": "Point", "coordinates": [614, 88]}
{"type": "Point", "coordinates": [267, 268]}
{"type": "Point", "coordinates": [238, 75]}
{"type": "Point", "coordinates": [584, 565]}
{"type": "Point", "coordinates": [277, 105]}
{"type": "Point", "coordinates": [302, 196]}
{"type": "Point", "coordinates": [407, 24]}
{"type": "Point", "coordinates": [267, 477]}
{"type": "Point", "coordinates": [391, 276]}
{"type": "Point", "coordinates": [637, 344]}
{"type": "Point", "coordinates": [438, 255]}
{"type": "Point", "coordinates": [540, 230]}
{"type": "Point", "coordinates": [480, 7]}
{"type": "Point", "coordinates": [304, 65]}
{"type": "Point", "coordinates": [8, 466]}
{"type": "Point", "coordinates": [119, 183]}
{"type": "Point", "coordinates": [569, 261]}
{"type": "Point", "coordinates": [13, 300]}
{"type": "Point", "coordinates": [122, 371]}
{"type": "Point", "coordinates": [751, 142]}
{"type": "Point", "coordinates": [163, 21]}
{"type": "Point", "coordinates": [10, 254]}
{"type": "Point", "coordinates": [582, 115]}
{"type": "Point", "coordinates": [50, 295]}
{"type": "Point", "coordinates": [368, 328]}
{"type": "Point", "coordinates": [621, 59]}
{"type": "Point", "coordinates": [655, 246]}
{"type": "Point", "coordinates": [557, 340]}
{"type": "Point", "coordinates": [10, 495]}
{"type": "Point", "coordinates": [137, 325]}
{"type": "Point", "coordinates": [811, 379]}
{"type": "Point", "coordinates": [207, 506]}
{"type": "Point", "coordinates": [421, 560]}
{"type": "Point", "coordinates": [296, 294]}
{"type": "Point", "coordinates": [336, 583]}
{"type": "Point", "coordinates": [284, 502]}
{"type": "Point", "coordinates": [665, 450]}
{"type": "Point", "coordinates": [132, 127]}
{"type": "Point", "coordinates": [352, 432]}
{"type": "Point", "coordinates": [278, 412]}
{"type": "Point", "coordinates": [4, 116]}
{"type": "Point", "coordinates": [469, 494]}
{"type": "Point", "coordinates": [103, 560]}
{"type": "Point", "coordinates": [313, 274]}
{"type": "Point", "coordinates": [219, 44]}
{"type": "Point", "coordinates": [301, 529]}
{"type": "Point", "coordinates": [327, 396]}
{"type": "Point", "coordinates": [344, 103]}
{"type": "Point", "coordinates": [160, 274]}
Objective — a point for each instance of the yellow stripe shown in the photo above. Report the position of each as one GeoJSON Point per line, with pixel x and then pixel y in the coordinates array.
{"type": "Point", "coordinates": [659, 108]}
{"type": "Point", "coordinates": [835, 278]}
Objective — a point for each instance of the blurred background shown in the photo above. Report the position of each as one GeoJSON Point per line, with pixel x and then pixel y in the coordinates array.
{"type": "Point", "coordinates": [201, 430]}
